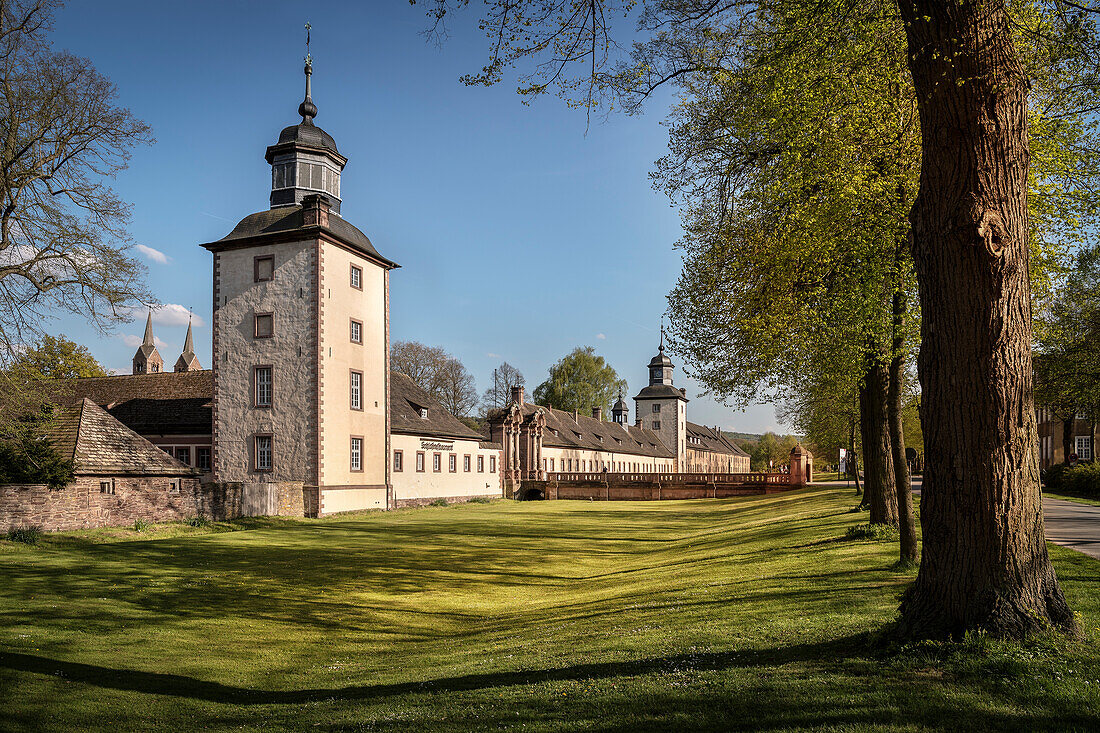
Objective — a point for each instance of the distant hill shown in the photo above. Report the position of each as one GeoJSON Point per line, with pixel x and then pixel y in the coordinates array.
{"type": "Point", "coordinates": [742, 436]}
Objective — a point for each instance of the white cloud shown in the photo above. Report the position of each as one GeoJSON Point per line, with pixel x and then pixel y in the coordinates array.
{"type": "Point", "coordinates": [153, 254]}
{"type": "Point", "coordinates": [167, 314]}
{"type": "Point", "coordinates": [133, 340]}
{"type": "Point", "coordinates": [491, 355]}
{"type": "Point", "coordinates": [601, 336]}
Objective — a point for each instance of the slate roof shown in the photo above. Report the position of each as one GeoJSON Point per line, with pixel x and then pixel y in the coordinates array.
{"type": "Point", "coordinates": [287, 219]}
{"type": "Point", "coordinates": [710, 439]}
{"type": "Point", "coordinates": [164, 403]}
{"type": "Point", "coordinates": [406, 399]}
{"type": "Point", "coordinates": [307, 134]}
{"type": "Point", "coordinates": [582, 432]}
{"type": "Point", "coordinates": [661, 391]}
{"type": "Point", "coordinates": [102, 446]}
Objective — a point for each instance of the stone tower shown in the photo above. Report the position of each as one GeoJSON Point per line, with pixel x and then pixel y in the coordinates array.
{"type": "Point", "coordinates": [301, 336]}
{"type": "Point", "coordinates": [660, 407]}
{"type": "Point", "coordinates": [188, 362]}
{"type": "Point", "coordinates": [147, 359]}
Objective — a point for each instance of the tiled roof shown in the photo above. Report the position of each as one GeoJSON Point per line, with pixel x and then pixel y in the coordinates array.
{"type": "Point", "coordinates": [581, 432]}
{"type": "Point", "coordinates": [101, 445]}
{"type": "Point", "coordinates": [406, 401]}
{"type": "Point", "coordinates": [700, 437]}
{"type": "Point", "coordinates": [661, 391]}
{"type": "Point", "coordinates": [165, 403]}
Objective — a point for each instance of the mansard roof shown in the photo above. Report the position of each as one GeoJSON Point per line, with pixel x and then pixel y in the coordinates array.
{"type": "Point", "coordinates": [286, 223]}
{"type": "Point", "coordinates": [700, 437]}
{"type": "Point", "coordinates": [100, 445]}
{"type": "Point", "coordinates": [406, 400]}
{"type": "Point", "coordinates": [580, 432]}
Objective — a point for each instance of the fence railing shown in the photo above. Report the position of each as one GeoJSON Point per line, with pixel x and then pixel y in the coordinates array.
{"type": "Point", "coordinates": [671, 479]}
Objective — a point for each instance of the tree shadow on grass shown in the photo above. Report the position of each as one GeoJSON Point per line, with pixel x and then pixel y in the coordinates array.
{"type": "Point", "coordinates": [174, 685]}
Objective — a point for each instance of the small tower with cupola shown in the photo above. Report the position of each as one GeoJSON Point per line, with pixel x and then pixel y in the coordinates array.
{"type": "Point", "coordinates": [620, 413]}
{"type": "Point", "coordinates": [661, 407]}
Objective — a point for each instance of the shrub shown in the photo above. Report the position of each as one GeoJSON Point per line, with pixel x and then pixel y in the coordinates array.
{"type": "Point", "coordinates": [1083, 479]}
{"type": "Point", "coordinates": [439, 502]}
{"type": "Point", "coordinates": [28, 535]}
{"type": "Point", "coordinates": [1052, 477]}
{"type": "Point", "coordinates": [32, 460]}
{"type": "Point", "coordinates": [480, 500]}
{"type": "Point", "coordinates": [872, 532]}
{"type": "Point", "coordinates": [141, 525]}
{"type": "Point", "coordinates": [198, 521]}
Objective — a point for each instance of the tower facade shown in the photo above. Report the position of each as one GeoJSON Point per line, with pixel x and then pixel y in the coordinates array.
{"type": "Point", "coordinates": [301, 336]}
{"type": "Point", "coordinates": [661, 407]}
{"type": "Point", "coordinates": [147, 360]}
{"type": "Point", "coordinates": [188, 362]}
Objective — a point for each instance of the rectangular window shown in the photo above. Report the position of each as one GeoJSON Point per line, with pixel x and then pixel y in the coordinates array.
{"type": "Point", "coordinates": [466, 464]}
{"type": "Point", "coordinates": [263, 268]}
{"type": "Point", "coordinates": [183, 455]}
{"type": "Point", "coordinates": [202, 458]}
{"type": "Point", "coordinates": [420, 461]}
{"type": "Point", "coordinates": [398, 461]}
{"type": "Point", "coordinates": [452, 462]}
{"type": "Point", "coordinates": [657, 409]}
{"type": "Point", "coordinates": [356, 454]}
{"type": "Point", "coordinates": [492, 464]}
{"type": "Point", "coordinates": [1084, 447]}
{"type": "Point", "coordinates": [656, 424]}
{"type": "Point", "coordinates": [174, 486]}
{"type": "Point", "coordinates": [356, 331]}
{"type": "Point", "coordinates": [262, 453]}
{"type": "Point", "coordinates": [303, 174]}
{"type": "Point", "coordinates": [481, 464]}
{"type": "Point", "coordinates": [107, 487]}
{"type": "Point", "coordinates": [357, 277]}
{"type": "Point", "coordinates": [356, 390]}
{"type": "Point", "coordinates": [263, 326]}
{"type": "Point", "coordinates": [315, 177]}
{"type": "Point", "coordinates": [262, 385]}
{"type": "Point", "coordinates": [437, 462]}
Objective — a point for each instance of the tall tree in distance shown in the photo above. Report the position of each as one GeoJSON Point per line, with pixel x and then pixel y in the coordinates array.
{"type": "Point", "coordinates": [56, 357]}
{"type": "Point", "coordinates": [438, 373]}
{"type": "Point", "coordinates": [501, 382]}
{"type": "Point", "coordinates": [580, 381]}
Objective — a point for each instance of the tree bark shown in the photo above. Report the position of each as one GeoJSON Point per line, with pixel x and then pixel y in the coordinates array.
{"type": "Point", "coordinates": [984, 563]}
{"type": "Point", "coordinates": [906, 521]}
{"type": "Point", "coordinates": [1069, 426]}
{"type": "Point", "coordinates": [879, 491]}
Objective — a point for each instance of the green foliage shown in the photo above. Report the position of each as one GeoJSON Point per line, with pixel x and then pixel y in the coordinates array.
{"type": "Point", "coordinates": [480, 500]}
{"type": "Point", "coordinates": [31, 459]}
{"type": "Point", "coordinates": [580, 381]}
{"type": "Point", "coordinates": [140, 525]}
{"type": "Point", "coordinates": [879, 532]}
{"type": "Point", "coordinates": [772, 451]}
{"type": "Point", "coordinates": [198, 521]}
{"type": "Point", "coordinates": [1081, 480]}
{"type": "Point", "coordinates": [439, 502]}
{"type": "Point", "coordinates": [28, 535]}
{"type": "Point", "coordinates": [56, 357]}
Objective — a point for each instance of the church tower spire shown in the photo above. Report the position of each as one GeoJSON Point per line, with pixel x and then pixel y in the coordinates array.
{"type": "Point", "coordinates": [188, 362]}
{"type": "Point", "coordinates": [147, 359]}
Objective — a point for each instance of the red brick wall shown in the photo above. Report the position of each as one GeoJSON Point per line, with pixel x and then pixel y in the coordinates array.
{"type": "Point", "coordinates": [81, 505]}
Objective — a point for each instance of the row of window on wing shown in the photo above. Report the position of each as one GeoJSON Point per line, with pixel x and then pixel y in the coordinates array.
{"type": "Point", "coordinates": [437, 462]}
{"type": "Point", "coordinates": [305, 175]}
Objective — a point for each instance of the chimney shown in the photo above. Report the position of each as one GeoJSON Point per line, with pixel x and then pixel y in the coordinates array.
{"type": "Point", "coordinates": [315, 208]}
{"type": "Point", "coordinates": [597, 412]}
{"type": "Point", "coordinates": [576, 417]}
{"type": "Point", "coordinates": [517, 395]}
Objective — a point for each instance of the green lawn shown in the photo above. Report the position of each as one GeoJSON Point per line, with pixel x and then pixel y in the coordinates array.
{"type": "Point", "coordinates": [748, 613]}
{"type": "Point", "coordinates": [1072, 497]}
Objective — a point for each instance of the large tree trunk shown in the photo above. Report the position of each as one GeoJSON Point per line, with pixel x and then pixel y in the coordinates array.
{"type": "Point", "coordinates": [907, 522]}
{"type": "Point", "coordinates": [879, 491]}
{"type": "Point", "coordinates": [1069, 427]}
{"type": "Point", "coordinates": [984, 563]}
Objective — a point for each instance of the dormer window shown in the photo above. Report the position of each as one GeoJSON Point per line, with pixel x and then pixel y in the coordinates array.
{"type": "Point", "coordinates": [423, 413]}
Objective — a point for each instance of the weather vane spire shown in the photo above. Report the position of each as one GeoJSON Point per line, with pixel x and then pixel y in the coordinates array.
{"type": "Point", "coordinates": [662, 346]}
{"type": "Point", "coordinates": [307, 109]}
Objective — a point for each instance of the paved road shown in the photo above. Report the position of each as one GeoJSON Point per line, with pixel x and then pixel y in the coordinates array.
{"type": "Point", "coordinates": [1072, 525]}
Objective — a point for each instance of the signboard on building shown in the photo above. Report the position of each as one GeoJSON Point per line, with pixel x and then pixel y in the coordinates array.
{"type": "Point", "coordinates": [437, 445]}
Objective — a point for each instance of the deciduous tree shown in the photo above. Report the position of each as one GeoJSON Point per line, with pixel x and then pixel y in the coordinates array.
{"type": "Point", "coordinates": [580, 381]}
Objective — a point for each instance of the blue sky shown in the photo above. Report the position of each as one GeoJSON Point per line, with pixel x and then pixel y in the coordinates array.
{"type": "Point", "coordinates": [520, 236]}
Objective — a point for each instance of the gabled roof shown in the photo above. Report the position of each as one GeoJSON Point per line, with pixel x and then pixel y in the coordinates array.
{"type": "Point", "coordinates": [700, 437]}
{"type": "Point", "coordinates": [164, 403]}
{"type": "Point", "coordinates": [406, 400]}
{"type": "Point", "coordinates": [581, 432]}
{"type": "Point", "coordinates": [101, 445]}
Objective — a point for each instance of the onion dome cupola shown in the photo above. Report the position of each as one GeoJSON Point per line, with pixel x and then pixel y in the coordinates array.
{"type": "Point", "coordinates": [305, 161]}
{"type": "Point", "coordinates": [147, 360]}
{"type": "Point", "coordinates": [620, 413]}
{"type": "Point", "coordinates": [660, 366]}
